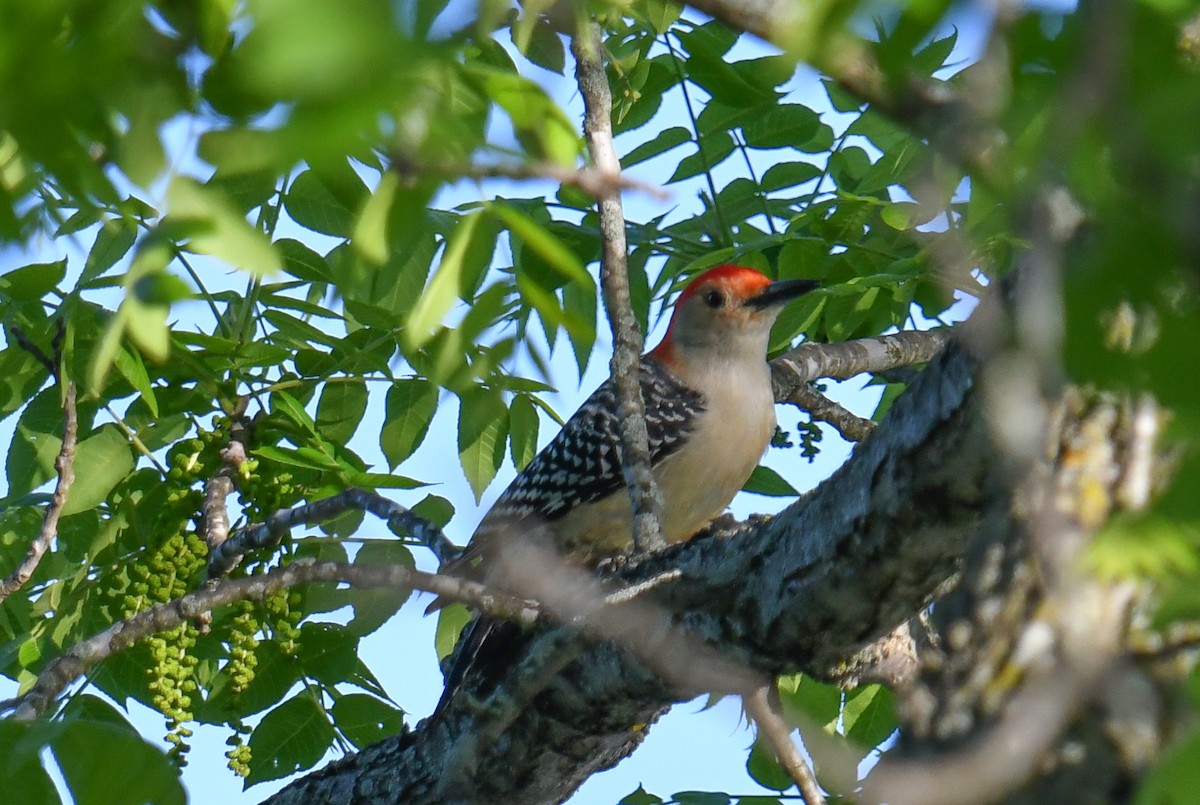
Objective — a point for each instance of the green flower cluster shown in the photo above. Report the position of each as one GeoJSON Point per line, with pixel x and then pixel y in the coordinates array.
{"type": "Point", "coordinates": [173, 683]}
{"type": "Point", "coordinates": [239, 751]}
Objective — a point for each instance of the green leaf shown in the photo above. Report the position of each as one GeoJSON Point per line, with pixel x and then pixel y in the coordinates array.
{"type": "Point", "coordinates": [482, 427]}
{"type": "Point", "coordinates": [341, 410]}
{"type": "Point", "coordinates": [661, 14]}
{"type": "Point", "coordinates": [26, 782]}
{"type": "Point", "coordinates": [302, 262]}
{"type": "Point", "coordinates": [701, 798]}
{"type": "Point", "coordinates": [305, 458]}
{"type": "Point", "coordinates": [869, 715]}
{"type": "Point", "coordinates": [788, 174]}
{"type": "Point", "coordinates": [663, 142]}
{"type": "Point", "coordinates": [452, 619]}
{"type": "Point", "coordinates": [113, 241]}
{"type": "Point", "coordinates": [365, 720]}
{"type": "Point", "coordinates": [523, 430]}
{"type": "Point", "coordinates": [545, 47]}
{"type": "Point", "coordinates": [816, 700]}
{"type": "Point", "coordinates": [21, 375]}
{"type": "Point", "coordinates": [370, 229]}
{"type": "Point", "coordinates": [435, 509]}
{"type": "Point", "coordinates": [292, 408]}
{"type": "Point", "coordinates": [216, 227]}
{"type": "Point", "coordinates": [429, 311]}
{"type": "Point", "coordinates": [35, 444]}
{"type": "Point", "coordinates": [290, 738]}
{"type": "Point", "coordinates": [133, 369]}
{"type": "Point", "coordinates": [932, 57]}
{"type": "Point", "coordinates": [544, 242]}
{"type": "Point", "coordinates": [312, 205]}
{"type": "Point", "coordinates": [640, 797]}
{"type": "Point", "coordinates": [765, 768]}
{"type": "Point", "coordinates": [540, 125]}
{"type": "Point", "coordinates": [328, 651]}
{"type": "Point", "coordinates": [766, 481]}
{"type": "Point", "coordinates": [31, 283]}
{"type": "Point", "coordinates": [101, 462]}
{"type": "Point", "coordinates": [717, 149]}
{"type": "Point", "coordinates": [579, 305]}
{"type": "Point", "coordinates": [408, 410]}
{"type": "Point", "coordinates": [848, 166]}
{"type": "Point", "coordinates": [274, 675]}
{"type": "Point", "coordinates": [784, 126]}
{"type": "Point", "coordinates": [93, 735]}
{"type": "Point", "coordinates": [373, 607]}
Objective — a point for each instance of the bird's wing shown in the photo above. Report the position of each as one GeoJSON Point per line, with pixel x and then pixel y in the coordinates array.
{"type": "Point", "coordinates": [583, 461]}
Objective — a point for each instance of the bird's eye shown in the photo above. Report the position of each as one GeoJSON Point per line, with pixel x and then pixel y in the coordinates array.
{"type": "Point", "coordinates": [714, 299]}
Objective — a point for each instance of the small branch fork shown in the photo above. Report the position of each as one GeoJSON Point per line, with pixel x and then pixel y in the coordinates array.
{"type": "Point", "coordinates": [644, 494]}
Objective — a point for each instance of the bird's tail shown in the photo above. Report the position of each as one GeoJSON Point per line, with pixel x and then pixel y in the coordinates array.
{"type": "Point", "coordinates": [469, 646]}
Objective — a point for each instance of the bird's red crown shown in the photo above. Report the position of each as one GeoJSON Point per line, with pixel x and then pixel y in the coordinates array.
{"type": "Point", "coordinates": [744, 282]}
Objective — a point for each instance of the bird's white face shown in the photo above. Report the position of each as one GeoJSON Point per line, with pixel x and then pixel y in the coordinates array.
{"type": "Point", "coordinates": [718, 313]}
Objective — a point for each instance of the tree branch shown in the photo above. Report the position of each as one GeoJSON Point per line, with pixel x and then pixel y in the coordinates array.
{"type": "Point", "coordinates": [400, 521]}
{"type": "Point", "coordinates": [86, 654]}
{"type": "Point", "coordinates": [811, 361]}
{"type": "Point", "coordinates": [218, 488]}
{"type": "Point", "coordinates": [763, 707]}
{"type": "Point", "coordinates": [644, 493]}
{"type": "Point", "coordinates": [64, 465]}
{"type": "Point", "coordinates": [596, 182]}
{"type": "Point", "coordinates": [853, 427]}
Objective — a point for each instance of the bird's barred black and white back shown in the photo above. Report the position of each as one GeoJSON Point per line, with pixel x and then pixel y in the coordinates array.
{"type": "Point", "coordinates": [583, 462]}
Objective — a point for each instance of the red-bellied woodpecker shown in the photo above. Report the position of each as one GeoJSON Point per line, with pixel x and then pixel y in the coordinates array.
{"type": "Point", "coordinates": [710, 414]}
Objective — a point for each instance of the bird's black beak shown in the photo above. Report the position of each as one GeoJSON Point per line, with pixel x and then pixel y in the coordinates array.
{"type": "Point", "coordinates": [782, 291]}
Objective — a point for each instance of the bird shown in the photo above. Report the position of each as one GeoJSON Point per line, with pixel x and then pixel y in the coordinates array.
{"type": "Point", "coordinates": [710, 415]}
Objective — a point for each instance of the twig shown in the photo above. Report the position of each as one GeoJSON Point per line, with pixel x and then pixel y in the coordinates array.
{"type": "Point", "coordinates": [24, 342]}
{"type": "Point", "coordinates": [855, 428]}
{"type": "Point", "coordinates": [64, 465]}
{"type": "Point", "coordinates": [131, 436]}
{"type": "Point", "coordinates": [596, 182]}
{"type": "Point", "coordinates": [614, 278]}
{"type": "Point", "coordinates": [400, 521]}
{"type": "Point", "coordinates": [763, 706]}
{"type": "Point", "coordinates": [84, 655]}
